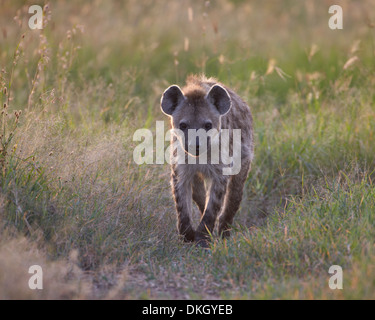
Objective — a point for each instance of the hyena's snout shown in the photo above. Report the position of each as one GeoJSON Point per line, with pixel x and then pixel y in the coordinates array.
{"type": "Point", "coordinates": [197, 143]}
{"type": "Point", "coordinates": [195, 146]}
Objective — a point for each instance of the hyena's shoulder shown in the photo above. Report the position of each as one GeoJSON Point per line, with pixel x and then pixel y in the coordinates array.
{"type": "Point", "coordinates": [240, 115]}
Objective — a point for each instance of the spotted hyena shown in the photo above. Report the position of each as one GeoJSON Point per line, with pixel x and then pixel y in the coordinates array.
{"type": "Point", "coordinates": [206, 104]}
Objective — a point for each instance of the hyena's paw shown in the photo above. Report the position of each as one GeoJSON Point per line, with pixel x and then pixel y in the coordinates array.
{"type": "Point", "coordinates": [203, 243]}
{"type": "Point", "coordinates": [187, 233]}
{"type": "Point", "coordinates": [224, 230]}
{"type": "Point", "coordinates": [202, 240]}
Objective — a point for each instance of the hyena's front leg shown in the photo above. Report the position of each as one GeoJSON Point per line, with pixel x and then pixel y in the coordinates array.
{"type": "Point", "coordinates": [182, 197]}
{"type": "Point", "coordinates": [233, 199]}
{"type": "Point", "coordinates": [199, 193]}
{"type": "Point", "coordinates": [214, 205]}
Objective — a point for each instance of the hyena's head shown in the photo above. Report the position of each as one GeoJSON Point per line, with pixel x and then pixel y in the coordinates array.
{"type": "Point", "coordinates": [194, 110]}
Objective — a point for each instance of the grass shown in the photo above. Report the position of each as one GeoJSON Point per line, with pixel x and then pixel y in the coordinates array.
{"type": "Point", "coordinates": [73, 201]}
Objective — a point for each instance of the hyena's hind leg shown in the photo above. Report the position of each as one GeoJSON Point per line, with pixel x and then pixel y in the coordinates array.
{"type": "Point", "coordinates": [233, 199]}
{"type": "Point", "coordinates": [199, 193]}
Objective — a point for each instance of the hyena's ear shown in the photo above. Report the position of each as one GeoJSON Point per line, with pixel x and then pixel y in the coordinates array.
{"type": "Point", "coordinates": [171, 99]}
{"type": "Point", "coordinates": [220, 98]}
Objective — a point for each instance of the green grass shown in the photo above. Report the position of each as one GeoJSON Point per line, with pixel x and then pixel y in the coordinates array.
{"type": "Point", "coordinates": [70, 189]}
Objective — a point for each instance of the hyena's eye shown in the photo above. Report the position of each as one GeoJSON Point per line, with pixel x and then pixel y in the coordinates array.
{"type": "Point", "coordinates": [183, 126]}
{"type": "Point", "coordinates": [208, 125]}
